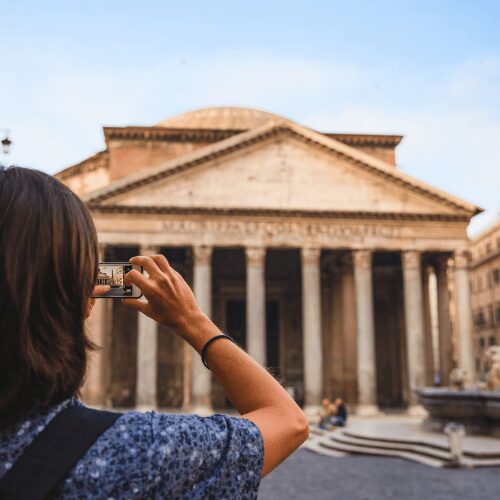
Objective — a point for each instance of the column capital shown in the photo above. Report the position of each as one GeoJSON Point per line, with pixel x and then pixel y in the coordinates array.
{"type": "Point", "coordinates": [202, 255]}
{"type": "Point", "coordinates": [149, 249]}
{"type": "Point", "coordinates": [310, 256]}
{"type": "Point", "coordinates": [255, 256]}
{"type": "Point", "coordinates": [411, 259]}
{"type": "Point", "coordinates": [460, 259]}
{"type": "Point", "coordinates": [362, 259]}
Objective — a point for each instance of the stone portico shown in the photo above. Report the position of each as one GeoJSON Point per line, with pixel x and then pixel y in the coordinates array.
{"type": "Point", "coordinates": [325, 262]}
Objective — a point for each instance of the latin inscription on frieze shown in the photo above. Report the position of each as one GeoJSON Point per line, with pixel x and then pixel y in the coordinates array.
{"type": "Point", "coordinates": [281, 228]}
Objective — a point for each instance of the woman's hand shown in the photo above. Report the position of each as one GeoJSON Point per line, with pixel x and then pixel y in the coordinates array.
{"type": "Point", "coordinates": [170, 301]}
{"type": "Point", "coordinates": [98, 290]}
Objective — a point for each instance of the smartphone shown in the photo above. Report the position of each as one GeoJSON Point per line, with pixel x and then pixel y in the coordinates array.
{"type": "Point", "coordinates": [113, 274]}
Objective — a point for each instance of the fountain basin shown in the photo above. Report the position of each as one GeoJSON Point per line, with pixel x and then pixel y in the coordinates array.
{"type": "Point", "coordinates": [478, 410]}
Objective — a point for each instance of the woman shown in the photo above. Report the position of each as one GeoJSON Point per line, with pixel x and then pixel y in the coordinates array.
{"type": "Point", "coordinates": [48, 267]}
{"type": "Point", "coordinates": [327, 414]}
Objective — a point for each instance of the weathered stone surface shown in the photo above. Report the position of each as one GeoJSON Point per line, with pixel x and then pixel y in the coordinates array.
{"type": "Point", "coordinates": [282, 174]}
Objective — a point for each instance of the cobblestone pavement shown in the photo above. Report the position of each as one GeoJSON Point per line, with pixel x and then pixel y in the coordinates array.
{"type": "Point", "coordinates": [308, 475]}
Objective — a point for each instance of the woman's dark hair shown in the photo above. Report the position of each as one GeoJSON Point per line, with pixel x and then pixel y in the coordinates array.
{"type": "Point", "coordinates": [48, 267]}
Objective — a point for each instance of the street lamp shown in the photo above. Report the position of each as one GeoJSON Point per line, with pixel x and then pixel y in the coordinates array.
{"type": "Point", "coordinates": [6, 142]}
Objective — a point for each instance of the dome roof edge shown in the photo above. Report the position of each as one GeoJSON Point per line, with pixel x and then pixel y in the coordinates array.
{"type": "Point", "coordinates": [220, 118]}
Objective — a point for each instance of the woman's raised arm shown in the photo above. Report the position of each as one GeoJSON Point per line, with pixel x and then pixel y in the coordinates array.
{"type": "Point", "coordinates": [253, 391]}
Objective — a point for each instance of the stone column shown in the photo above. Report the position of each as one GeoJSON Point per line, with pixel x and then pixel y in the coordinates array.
{"type": "Point", "coordinates": [311, 328]}
{"type": "Point", "coordinates": [414, 324]}
{"type": "Point", "coordinates": [94, 390]}
{"type": "Point", "coordinates": [367, 376]}
{"type": "Point", "coordinates": [444, 321]}
{"type": "Point", "coordinates": [147, 345]}
{"type": "Point", "coordinates": [256, 304]}
{"type": "Point", "coordinates": [427, 279]}
{"type": "Point", "coordinates": [464, 318]}
{"type": "Point", "coordinates": [202, 288]}
{"type": "Point", "coordinates": [334, 371]}
{"type": "Point", "coordinates": [349, 330]}
{"type": "Point", "coordinates": [433, 303]}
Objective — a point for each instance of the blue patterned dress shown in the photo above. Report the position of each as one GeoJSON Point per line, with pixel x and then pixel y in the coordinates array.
{"type": "Point", "coordinates": [154, 455]}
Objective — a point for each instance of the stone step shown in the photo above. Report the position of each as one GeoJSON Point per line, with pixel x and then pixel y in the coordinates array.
{"type": "Point", "coordinates": [394, 445]}
{"type": "Point", "coordinates": [384, 447]}
{"type": "Point", "coordinates": [438, 448]}
{"type": "Point", "coordinates": [426, 450]}
{"type": "Point", "coordinates": [314, 431]}
{"type": "Point", "coordinates": [366, 450]}
{"type": "Point", "coordinates": [315, 446]}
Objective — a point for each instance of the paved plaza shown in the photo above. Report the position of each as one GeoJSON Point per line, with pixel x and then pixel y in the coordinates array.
{"type": "Point", "coordinates": [308, 475]}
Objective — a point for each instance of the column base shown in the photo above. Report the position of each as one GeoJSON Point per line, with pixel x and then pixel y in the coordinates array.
{"type": "Point", "coordinates": [368, 410]}
{"type": "Point", "coordinates": [312, 412]}
{"type": "Point", "coordinates": [415, 410]}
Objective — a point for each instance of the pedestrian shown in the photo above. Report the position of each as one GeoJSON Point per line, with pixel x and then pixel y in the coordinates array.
{"type": "Point", "coordinates": [53, 445]}
{"type": "Point", "coordinates": [327, 415]}
{"type": "Point", "coordinates": [341, 413]}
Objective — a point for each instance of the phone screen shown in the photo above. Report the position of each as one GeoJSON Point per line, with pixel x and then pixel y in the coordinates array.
{"type": "Point", "coordinates": [113, 274]}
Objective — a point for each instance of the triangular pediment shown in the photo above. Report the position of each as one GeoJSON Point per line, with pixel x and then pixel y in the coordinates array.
{"type": "Point", "coordinates": [285, 168]}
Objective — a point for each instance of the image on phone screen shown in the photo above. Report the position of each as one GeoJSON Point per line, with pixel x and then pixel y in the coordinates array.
{"type": "Point", "coordinates": [113, 274]}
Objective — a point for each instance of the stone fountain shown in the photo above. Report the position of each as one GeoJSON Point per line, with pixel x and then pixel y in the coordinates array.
{"type": "Point", "coordinates": [478, 408]}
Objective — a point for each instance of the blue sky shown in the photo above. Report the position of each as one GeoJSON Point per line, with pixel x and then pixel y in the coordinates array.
{"type": "Point", "coordinates": [427, 69]}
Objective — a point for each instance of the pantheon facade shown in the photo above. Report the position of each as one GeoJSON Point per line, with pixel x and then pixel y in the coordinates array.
{"type": "Point", "coordinates": [333, 268]}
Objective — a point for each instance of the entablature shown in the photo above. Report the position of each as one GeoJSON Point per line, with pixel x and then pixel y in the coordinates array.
{"type": "Point", "coordinates": [350, 231]}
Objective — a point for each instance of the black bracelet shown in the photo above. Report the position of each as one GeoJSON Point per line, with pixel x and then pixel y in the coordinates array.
{"type": "Point", "coordinates": [213, 339]}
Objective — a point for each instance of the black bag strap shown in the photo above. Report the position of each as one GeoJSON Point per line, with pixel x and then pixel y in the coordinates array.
{"type": "Point", "coordinates": [54, 452]}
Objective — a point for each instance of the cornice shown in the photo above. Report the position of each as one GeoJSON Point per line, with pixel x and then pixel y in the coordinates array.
{"type": "Point", "coordinates": [263, 212]}
{"type": "Point", "coordinates": [157, 133]}
{"type": "Point", "coordinates": [137, 133]}
{"type": "Point", "coordinates": [388, 141]}
{"type": "Point", "coordinates": [94, 162]}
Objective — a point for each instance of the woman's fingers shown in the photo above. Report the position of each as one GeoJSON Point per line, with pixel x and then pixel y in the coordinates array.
{"type": "Point", "coordinates": [138, 305]}
{"type": "Point", "coordinates": [147, 263]}
{"type": "Point", "coordinates": [177, 274]}
{"type": "Point", "coordinates": [170, 300]}
{"type": "Point", "coordinates": [136, 278]}
{"type": "Point", "coordinates": [162, 262]}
